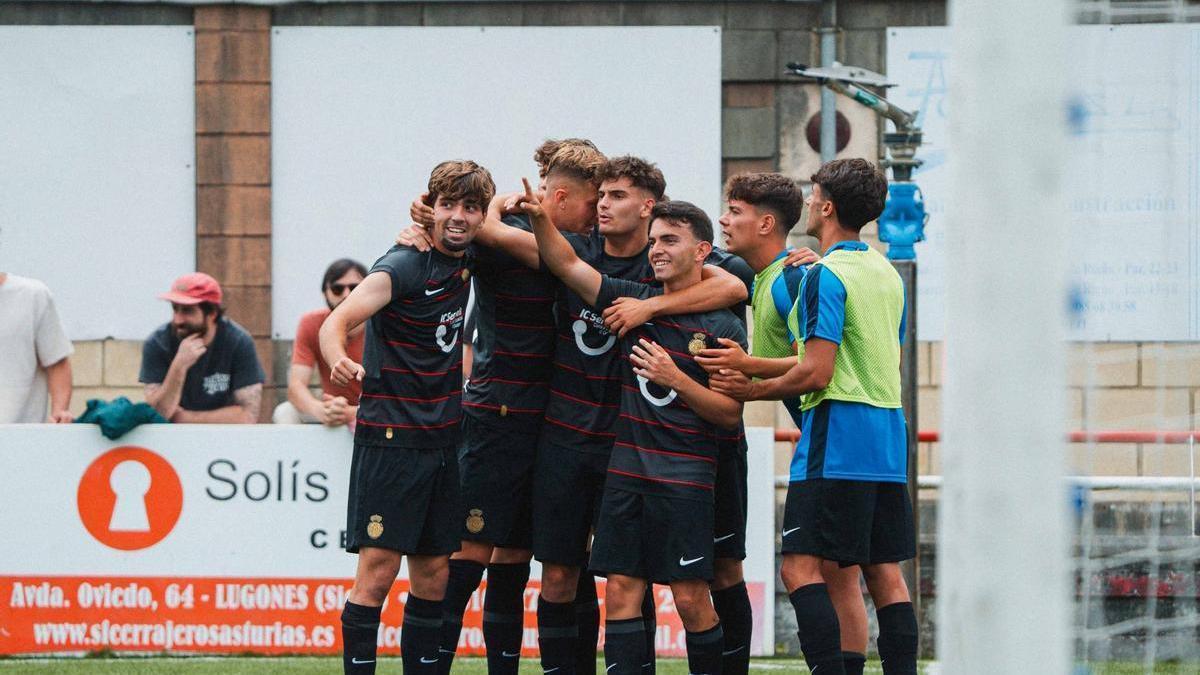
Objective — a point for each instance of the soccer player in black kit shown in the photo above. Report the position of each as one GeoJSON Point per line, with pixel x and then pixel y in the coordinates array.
{"type": "Point", "coordinates": [404, 492]}
{"type": "Point", "coordinates": [656, 518]}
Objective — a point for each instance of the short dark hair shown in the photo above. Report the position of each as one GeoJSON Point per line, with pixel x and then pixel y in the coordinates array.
{"type": "Point", "coordinates": [774, 192]}
{"type": "Point", "coordinates": [641, 173]}
{"type": "Point", "coordinates": [461, 179]}
{"type": "Point", "coordinates": [207, 308]}
{"type": "Point", "coordinates": [685, 213]}
{"type": "Point", "coordinates": [338, 269]}
{"type": "Point", "coordinates": [857, 189]}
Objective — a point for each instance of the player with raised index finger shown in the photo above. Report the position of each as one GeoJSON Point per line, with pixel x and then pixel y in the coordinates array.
{"type": "Point", "coordinates": [656, 517]}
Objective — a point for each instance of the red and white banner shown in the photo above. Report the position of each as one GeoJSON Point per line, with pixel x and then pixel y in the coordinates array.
{"type": "Point", "coordinates": [222, 539]}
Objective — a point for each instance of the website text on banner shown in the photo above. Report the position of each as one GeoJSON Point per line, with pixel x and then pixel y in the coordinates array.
{"type": "Point", "coordinates": [223, 540]}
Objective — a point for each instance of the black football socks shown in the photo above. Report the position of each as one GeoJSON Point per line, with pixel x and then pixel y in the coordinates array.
{"type": "Point", "coordinates": [704, 651]}
{"type": "Point", "coordinates": [557, 635]}
{"type": "Point", "coordinates": [587, 616]}
{"type": "Point", "coordinates": [463, 580]}
{"type": "Point", "coordinates": [419, 635]}
{"type": "Point", "coordinates": [360, 630]}
{"type": "Point", "coordinates": [737, 621]}
{"type": "Point", "coordinates": [504, 616]}
{"type": "Point", "coordinates": [817, 624]}
{"type": "Point", "coordinates": [650, 628]}
{"type": "Point", "coordinates": [624, 646]}
{"type": "Point", "coordinates": [898, 639]}
{"type": "Point", "coordinates": [853, 662]}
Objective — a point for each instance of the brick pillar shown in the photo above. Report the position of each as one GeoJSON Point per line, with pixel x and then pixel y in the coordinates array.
{"type": "Point", "coordinates": [233, 165]}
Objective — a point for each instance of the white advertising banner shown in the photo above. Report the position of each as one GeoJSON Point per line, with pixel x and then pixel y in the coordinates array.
{"type": "Point", "coordinates": [225, 539]}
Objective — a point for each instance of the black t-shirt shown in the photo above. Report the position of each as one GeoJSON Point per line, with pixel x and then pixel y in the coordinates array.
{"type": "Point", "coordinates": [732, 440]}
{"type": "Point", "coordinates": [514, 340]}
{"type": "Point", "coordinates": [663, 447]}
{"type": "Point", "coordinates": [411, 394]}
{"type": "Point", "coordinates": [228, 364]}
{"type": "Point", "coordinates": [585, 387]}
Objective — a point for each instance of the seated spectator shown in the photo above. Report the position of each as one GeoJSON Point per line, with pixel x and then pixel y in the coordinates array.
{"type": "Point", "coordinates": [201, 367]}
{"type": "Point", "coordinates": [35, 368]}
{"type": "Point", "coordinates": [338, 404]}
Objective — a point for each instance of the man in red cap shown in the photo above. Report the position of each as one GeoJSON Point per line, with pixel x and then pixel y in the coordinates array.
{"type": "Point", "coordinates": [201, 367]}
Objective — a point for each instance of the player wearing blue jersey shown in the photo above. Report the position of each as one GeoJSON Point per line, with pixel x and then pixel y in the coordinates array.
{"type": "Point", "coordinates": [847, 501]}
{"type": "Point", "coordinates": [762, 209]}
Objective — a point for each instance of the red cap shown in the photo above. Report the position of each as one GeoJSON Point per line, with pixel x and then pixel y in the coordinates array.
{"type": "Point", "coordinates": [193, 289]}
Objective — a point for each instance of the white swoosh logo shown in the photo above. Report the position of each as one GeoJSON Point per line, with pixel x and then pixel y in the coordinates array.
{"type": "Point", "coordinates": [357, 660]}
{"type": "Point", "coordinates": [685, 563]}
{"type": "Point", "coordinates": [787, 532]}
{"type": "Point", "coordinates": [509, 656]}
{"type": "Point", "coordinates": [546, 672]}
{"type": "Point", "coordinates": [610, 667]}
{"type": "Point", "coordinates": [579, 328]}
{"type": "Point", "coordinates": [733, 651]}
{"type": "Point", "coordinates": [440, 336]}
{"type": "Point", "coordinates": [717, 540]}
{"type": "Point", "coordinates": [425, 660]}
{"type": "Point", "coordinates": [643, 384]}
{"type": "Point", "coordinates": [435, 291]}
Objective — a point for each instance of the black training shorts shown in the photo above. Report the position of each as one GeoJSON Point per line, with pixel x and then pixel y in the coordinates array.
{"type": "Point", "coordinates": [403, 499]}
{"type": "Point", "coordinates": [567, 488]}
{"type": "Point", "coordinates": [495, 467]}
{"type": "Point", "coordinates": [849, 521]}
{"type": "Point", "coordinates": [729, 503]}
{"type": "Point", "coordinates": [660, 539]}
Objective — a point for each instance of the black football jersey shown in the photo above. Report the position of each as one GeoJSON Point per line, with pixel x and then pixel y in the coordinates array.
{"type": "Point", "coordinates": [412, 390]}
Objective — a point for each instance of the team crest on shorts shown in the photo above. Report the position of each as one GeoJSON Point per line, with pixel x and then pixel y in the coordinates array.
{"type": "Point", "coordinates": [475, 521]}
{"type": "Point", "coordinates": [375, 527]}
{"type": "Point", "coordinates": [697, 344]}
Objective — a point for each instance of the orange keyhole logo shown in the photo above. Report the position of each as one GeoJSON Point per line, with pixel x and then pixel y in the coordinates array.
{"type": "Point", "coordinates": [129, 498]}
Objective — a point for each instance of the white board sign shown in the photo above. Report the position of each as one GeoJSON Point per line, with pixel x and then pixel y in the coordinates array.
{"type": "Point", "coordinates": [361, 115]}
{"type": "Point", "coordinates": [97, 149]}
{"type": "Point", "coordinates": [1133, 186]}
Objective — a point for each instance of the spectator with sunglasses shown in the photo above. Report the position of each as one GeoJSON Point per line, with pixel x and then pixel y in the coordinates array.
{"type": "Point", "coordinates": [338, 404]}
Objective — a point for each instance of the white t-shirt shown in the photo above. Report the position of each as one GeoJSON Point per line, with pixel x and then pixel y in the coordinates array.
{"type": "Point", "coordinates": [31, 338]}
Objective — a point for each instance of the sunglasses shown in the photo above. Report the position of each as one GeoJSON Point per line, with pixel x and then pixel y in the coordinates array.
{"type": "Point", "coordinates": [337, 289]}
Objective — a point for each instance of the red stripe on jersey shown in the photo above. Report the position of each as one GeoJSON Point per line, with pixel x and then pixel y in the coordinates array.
{"type": "Point", "coordinates": [600, 434]}
{"type": "Point", "coordinates": [690, 329]}
{"type": "Point", "coordinates": [681, 403]}
{"type": "Point", "coordinates": [521, 298]}
{"type": "Point", "coordinates": [699, 432]}
{"type": "Point", "coordinates": [523, 355]}
{"type": "Point", "coordinates": [435, 373]}
{"type": "Point", "coordinates": [560, 394]}
{"type": "Point", "coordinates": [413, 399]}
{"type": "Point", "coordinates": [520, 326]}
{"type": "Point", "coordinates": [411, 345]}
{"type": "Point", "coordinates": [487, 406]}
{"type": "Point", "coordinates": [608, 378]}
{"type": "Point", "coordinates": [450, 423]}
{"type": "Point", "coordinates": [502, 380]}
{"type": "Point", "coordinates": [688, 483]}
{"type": "Point", "coordinates": [666, 452]}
